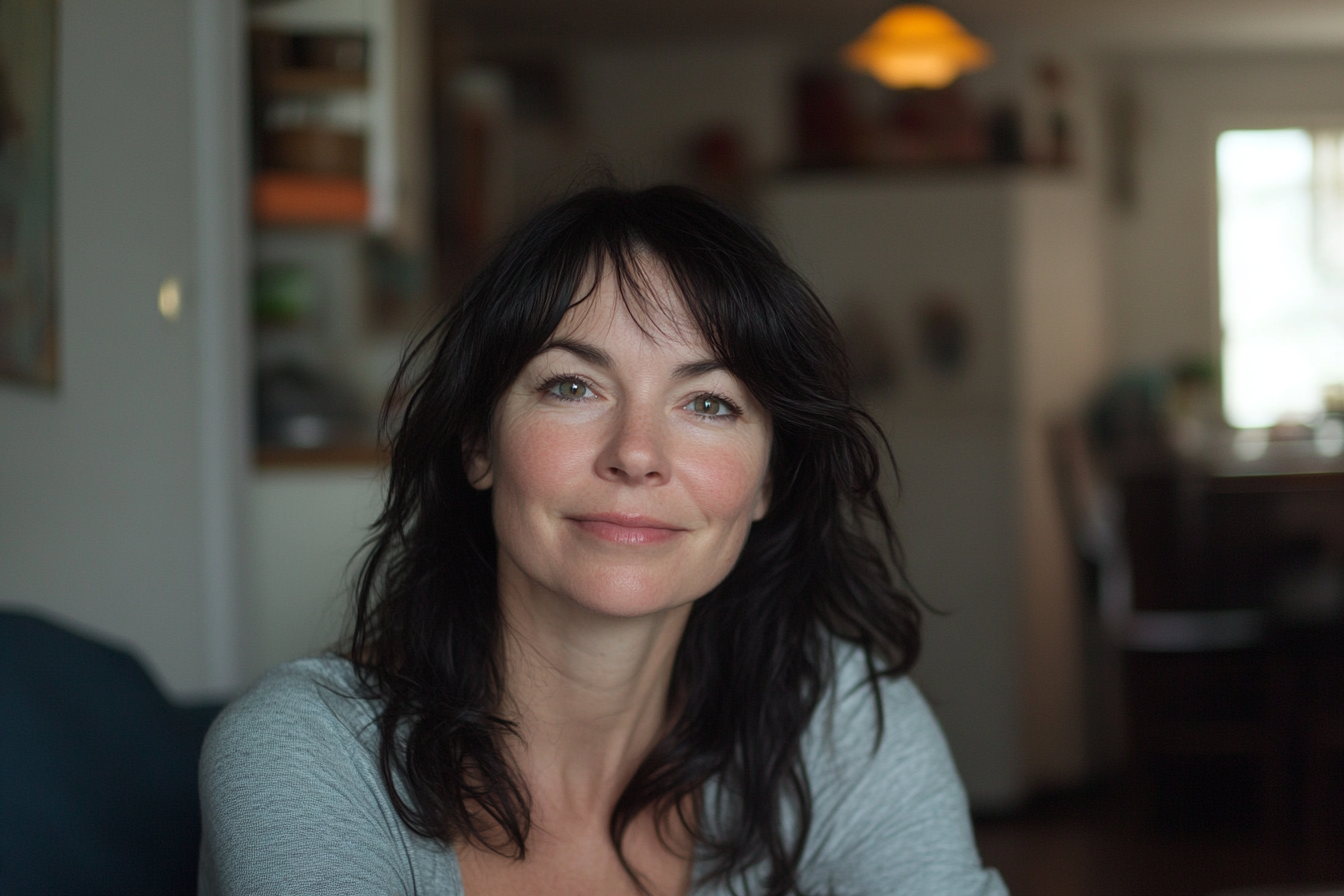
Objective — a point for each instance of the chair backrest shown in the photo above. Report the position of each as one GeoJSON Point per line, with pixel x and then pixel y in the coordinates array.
{"type": "Point", "coordinates": [97, 769]}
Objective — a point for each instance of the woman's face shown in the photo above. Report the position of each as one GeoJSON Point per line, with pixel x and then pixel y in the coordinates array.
{"type": "Point", "coordinates": [627, 464]}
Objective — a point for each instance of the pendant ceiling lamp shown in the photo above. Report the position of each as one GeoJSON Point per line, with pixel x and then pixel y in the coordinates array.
{"type": "Point", "coordinates": [917, 46]}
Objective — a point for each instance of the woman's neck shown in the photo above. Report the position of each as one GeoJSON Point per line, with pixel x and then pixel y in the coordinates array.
{"type": "Point", "coordinates": [590, 695]}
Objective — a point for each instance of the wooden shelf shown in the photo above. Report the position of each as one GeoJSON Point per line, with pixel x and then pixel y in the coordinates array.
{"type": "Point", "coordinates": [313, 80]}
{"type": "Point", "coordinates": [325, 457]}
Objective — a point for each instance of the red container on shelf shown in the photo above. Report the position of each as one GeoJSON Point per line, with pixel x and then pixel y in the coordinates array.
{"type": "Point", "coordinates": [282, 197]}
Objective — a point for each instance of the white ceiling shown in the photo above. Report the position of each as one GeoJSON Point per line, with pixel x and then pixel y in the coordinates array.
{"type": "Point", "coordinates": [1103, 24]}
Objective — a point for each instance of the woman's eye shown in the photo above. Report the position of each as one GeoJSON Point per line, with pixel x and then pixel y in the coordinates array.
{"type": "Point", "coordinates": [710, 406]}
{"type": "Point", "coordinates": [570, 389]}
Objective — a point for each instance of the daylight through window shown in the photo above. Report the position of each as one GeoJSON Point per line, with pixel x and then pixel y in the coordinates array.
{"type": "Point", "coordinates": [1281, 271]}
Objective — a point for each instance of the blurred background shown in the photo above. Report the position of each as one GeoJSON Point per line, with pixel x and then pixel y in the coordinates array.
{"type": "Point", "coordinates": [1087, 256]}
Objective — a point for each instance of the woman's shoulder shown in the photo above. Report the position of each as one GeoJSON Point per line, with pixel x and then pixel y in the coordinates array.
{"type": "Point", "coordinates": [862, 712]}
{"type": "Point", "coordinates": [857, 707]}
{"type": "Point", "coordinates": [298, 722]}
{"type": "Point", "coordinates": [889, 812]}
{"type": "Point", "coordinates": [292, 799]}
{"type": "Point", "coordinates": [328, 681]}
{"type": "Point", "coordinates": [870, 730]}
{"type": "Point", "coordinates": [307, 705]}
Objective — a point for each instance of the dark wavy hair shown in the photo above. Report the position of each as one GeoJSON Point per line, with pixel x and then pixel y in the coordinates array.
{"type": "Point", "coordinates": [758, 652]}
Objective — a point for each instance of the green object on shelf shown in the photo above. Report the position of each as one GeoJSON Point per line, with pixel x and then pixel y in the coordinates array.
{"type": "Point", "coordinates": [282, 294]}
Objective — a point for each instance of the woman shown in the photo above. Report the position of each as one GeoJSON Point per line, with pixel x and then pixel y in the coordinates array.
{"type": "Point", "coordinates": [619, 629]}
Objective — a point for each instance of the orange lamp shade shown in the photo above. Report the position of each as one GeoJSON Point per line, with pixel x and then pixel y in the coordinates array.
{"type": "Point", "coordinates": [917, 46]}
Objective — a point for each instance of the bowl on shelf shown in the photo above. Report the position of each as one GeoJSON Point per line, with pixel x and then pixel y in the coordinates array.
{"type": "Point", "coordinates": [314, 150]}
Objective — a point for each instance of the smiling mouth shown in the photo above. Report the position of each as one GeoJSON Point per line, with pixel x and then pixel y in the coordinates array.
{"type": "Point", "coordinates": [620, 529]}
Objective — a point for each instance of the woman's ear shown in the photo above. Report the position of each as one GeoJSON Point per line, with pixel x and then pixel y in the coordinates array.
{"type": "Point", "coordinates": [476, 461]}
{"type": "Point", "coordinates": [763, 497]}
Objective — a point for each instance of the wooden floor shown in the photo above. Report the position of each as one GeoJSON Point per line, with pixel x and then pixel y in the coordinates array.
{"type": "Point", "coordinates": [1108, 843]}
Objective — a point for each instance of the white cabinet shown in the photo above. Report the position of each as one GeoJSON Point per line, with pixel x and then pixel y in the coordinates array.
{"type": "Point", "coordinates": [903, 260]}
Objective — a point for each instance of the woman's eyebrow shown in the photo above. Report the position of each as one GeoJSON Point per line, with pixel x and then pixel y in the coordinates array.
{"type": "Point", "coordinates": [596, 356]}
{"type": "Point", "coordinates": [590, 353]}
{"type": "Point", "coordinates": [696, 368]}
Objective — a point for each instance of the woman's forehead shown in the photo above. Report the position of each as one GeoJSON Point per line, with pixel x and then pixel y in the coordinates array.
{"type": "Point", "coordinates": [648, 298]}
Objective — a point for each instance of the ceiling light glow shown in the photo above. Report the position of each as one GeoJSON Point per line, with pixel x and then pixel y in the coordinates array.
{"type": "Point", "coordinates": [917, 46]}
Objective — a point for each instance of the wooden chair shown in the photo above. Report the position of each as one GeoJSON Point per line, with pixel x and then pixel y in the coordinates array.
{"type": "Point", "coordinates": [1323, 689]}
{"type": "Point", "coordinates": [1197, 684]}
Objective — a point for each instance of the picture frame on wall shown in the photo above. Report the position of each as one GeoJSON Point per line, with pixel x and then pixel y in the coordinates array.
{"type": "Point", "coordinates": [28, 315]}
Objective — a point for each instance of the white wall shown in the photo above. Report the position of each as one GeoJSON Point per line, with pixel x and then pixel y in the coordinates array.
{"type": "Point", "coordinates": [1164, 266]}
{"type": "Point", "coordinates": [640, 106]}
{"type": "Point", "coordinates": [1062, 353]}
{"type": "Point", "coordinates": [955, 516]}
{"type": "Point", "coordinates": [304, 529]}
{"type": "Point", "coordinates": [119, 490]}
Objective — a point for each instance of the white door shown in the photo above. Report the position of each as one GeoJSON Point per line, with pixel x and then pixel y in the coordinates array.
{"type": "Point", "coordinates": [119, 490]}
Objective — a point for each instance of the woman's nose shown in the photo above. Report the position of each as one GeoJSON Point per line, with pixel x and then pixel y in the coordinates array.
{"type": "Point", "coordinates": [635, 451]}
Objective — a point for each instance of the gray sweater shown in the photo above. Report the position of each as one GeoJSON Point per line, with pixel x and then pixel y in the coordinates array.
{"type": "Point", "coordinates": [292, 801]}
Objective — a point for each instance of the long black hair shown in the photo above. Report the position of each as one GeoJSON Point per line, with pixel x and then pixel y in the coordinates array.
{"type": "Point", "coordinates": [757, 654]}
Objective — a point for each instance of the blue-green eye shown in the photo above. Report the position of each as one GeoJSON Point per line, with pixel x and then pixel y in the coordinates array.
{"type": "Point", "coordinates": [711, 406]}
{"type": "Point", "coordinates": [570, 389]}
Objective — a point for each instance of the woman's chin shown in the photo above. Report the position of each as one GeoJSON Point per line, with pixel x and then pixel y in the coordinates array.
{"type": "Point", "coordinates": [631, 597]}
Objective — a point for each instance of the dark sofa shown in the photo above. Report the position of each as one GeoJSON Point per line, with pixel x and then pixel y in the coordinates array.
{"type": "Point", "coordinates": [97, 769]}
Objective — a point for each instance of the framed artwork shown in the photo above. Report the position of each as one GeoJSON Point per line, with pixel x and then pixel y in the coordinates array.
{"type": "Point", "coordinates": [28, 335]}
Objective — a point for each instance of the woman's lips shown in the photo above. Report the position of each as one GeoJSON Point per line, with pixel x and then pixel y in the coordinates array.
{"type": "Point", "coordinates": [621, 529]}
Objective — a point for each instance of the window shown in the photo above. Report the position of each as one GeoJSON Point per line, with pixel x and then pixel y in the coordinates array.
{"type": "Point", "coordinates": [1281, 272]}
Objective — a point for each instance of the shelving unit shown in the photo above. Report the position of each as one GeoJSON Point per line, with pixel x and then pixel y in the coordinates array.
{"type": "Point", "coordinates": [309, 155]}
{"type": "Point", "coordinates": [331, 175]}
{"type": "Point", "coordinates": [299, 80]}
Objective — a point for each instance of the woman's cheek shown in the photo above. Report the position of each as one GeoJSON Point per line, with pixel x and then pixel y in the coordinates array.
{"type": "Point", "coordinates": [727, 482]}
{"type": "Point", "coordinates": [543, 456]}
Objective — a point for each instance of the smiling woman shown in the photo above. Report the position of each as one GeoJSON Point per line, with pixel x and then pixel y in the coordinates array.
{"type": "Point", "coordinates": [618, 629]}
{"type": "Point", "coordinates": [623, 433]}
